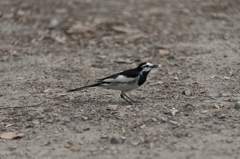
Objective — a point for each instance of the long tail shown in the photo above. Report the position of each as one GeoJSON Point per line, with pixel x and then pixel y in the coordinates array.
{"type": "Point", "coordinates": [81, 88]}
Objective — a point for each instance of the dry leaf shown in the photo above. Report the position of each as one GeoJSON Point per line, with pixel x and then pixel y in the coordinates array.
{"type": "Point", "coordinates": [112, 107]}
{"type": "Point", "coordinates": [125, 30]}
{"type": "Point", "coordinates": [135, 37]}
{"type": "Point", "coordinates": [173, 122]}
{"type": "Point", "coordinates": [78, 28]}
{"type": "Point", "coordinates": [47, 91]}
{"type": "Point", "coordinates": [170, 73]}
{"type": "Point", "coordinates": [163, 52]}
{"type": "Point", "coordinates": [60, 39]}
{"type": "Point", "coordinates": [174, 111]}
{"type": "Point", "coordinates": [67, 145]}
{"type": "Point", "coordinates": [12, 148]}
{"type": "Point", "coordinates": [220, 16]}
{"type": "Point", "coordinates": [8, 125]}
{"type": "Point", "coordinates": [20, 78]}
{"type": "Point", "coordinates": [11, 135]}
{"type": "Point", "coordinates": [135, 143]}
{"type": "Point", "coordinates": [143, 126]}
{"type": "Point", "coordinates": [46, 143]}
{"type": "Point", "coordinates": [157, 83]}
{"type": "Point", "coordinates": [226, 78]}
{"type": "Point", "coordinates": [187, 92]}
{"type": "Point", "coordinates": [221, 105]}
{"type": "Point", "coordinates": [216, 105]}
{"type": "Point", "coordinates": [36, 121]}
{"type": "Point", "coordinates": [85, 118]}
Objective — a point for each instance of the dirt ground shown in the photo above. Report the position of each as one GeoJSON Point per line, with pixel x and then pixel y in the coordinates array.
{"type": "Point", "coordinates": [189, 107]}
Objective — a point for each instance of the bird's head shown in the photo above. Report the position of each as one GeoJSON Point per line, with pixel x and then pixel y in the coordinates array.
{"type": "Point", "coordinates": [146, 67]}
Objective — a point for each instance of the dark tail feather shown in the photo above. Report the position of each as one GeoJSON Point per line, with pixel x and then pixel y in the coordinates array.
{"type": "Point", "coordinates": [81, 88]}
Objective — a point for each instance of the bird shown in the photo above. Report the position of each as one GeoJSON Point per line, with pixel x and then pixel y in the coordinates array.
{"type": "Point", "coordinates": [124, 81]}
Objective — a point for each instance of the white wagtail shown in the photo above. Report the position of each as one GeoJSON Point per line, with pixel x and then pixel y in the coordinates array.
{"type": "Point", "coordinates": [124, 81]}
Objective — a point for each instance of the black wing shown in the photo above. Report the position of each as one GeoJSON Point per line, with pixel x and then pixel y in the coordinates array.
{"type": "Point", "coordinates": [125, 76]}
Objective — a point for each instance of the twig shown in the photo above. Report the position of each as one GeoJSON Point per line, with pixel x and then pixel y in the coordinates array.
{"type": "Point", "coordinates": [23, 106]}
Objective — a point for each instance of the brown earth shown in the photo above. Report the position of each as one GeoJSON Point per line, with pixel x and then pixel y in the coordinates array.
{"type": "Point", "coordinates": [189, 107]}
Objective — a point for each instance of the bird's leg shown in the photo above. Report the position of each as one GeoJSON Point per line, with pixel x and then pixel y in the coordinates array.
{"type": "Point", "coordinates": [123, 97]}
{"type": "Point", "coordinates": [129, 98]}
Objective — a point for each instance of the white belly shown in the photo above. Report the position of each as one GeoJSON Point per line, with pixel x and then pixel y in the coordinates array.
{"type": "Point", "coordinates": [121, 86]}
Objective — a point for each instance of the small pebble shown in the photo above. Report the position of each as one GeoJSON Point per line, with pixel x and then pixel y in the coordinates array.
{"type": "Point", "coordinates": [187, 92]}
{"type": "Point", "coordinates": [89, 108]}
{"type": "Point", "coordinates": [78, 129]}
{"type": "Point", "coordinates": [189, 107]}
{"type": "Point", "coordinates": [30, 125]}
{"type": "Point", "coordinates": [20, 12]}
{"type": "Point", "coordinates": [67, 120]}
{"type": "Point", "coordinates": [104, 136]}
{"type": "Point", "coordinates": [86, 129]}
{"type": "Point", "coordinates": [225, 37]}
{"type": "Point", "coordinates": [96, 122]}
{"type": "Point", "coordinates": [237, 105]}
{"type": "Point", "coordinates": [113, 149]}
{"type": "Point", "coordinates": [235, 125]}
{"type": "Point", "coordinates": [229, 141]}
{"type": "Point", "coordinates": [175, 78]}
{"type": "Point", "coordinates": [221, 116]}
{"type": "Point", "coordinates": [123, 138]}
{"type": "Point", "coordinates": [166, 111]}
{"type": "Point", "coordinates": [116, 139]}
{"type": "Point", "coordinates": [151, 145]}
{"type": "Point", "coordinates": [71, 98]}
{"type": "Point", "coordinates": [235, 99]}
{"type": "Point", "coordinates": [49, 121]}
{"type": "Point", "coordinates": [164, 119]}
{"type": "Point", "coordinates": [53, 24]}
{"type": "Point", "coordinates": [154, 119]}
{"type": "Point", "coordinates": [170, 57]}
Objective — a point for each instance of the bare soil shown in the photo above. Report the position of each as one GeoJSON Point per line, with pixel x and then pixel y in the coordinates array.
{"type": "Point", "coordinates": [189, 107]}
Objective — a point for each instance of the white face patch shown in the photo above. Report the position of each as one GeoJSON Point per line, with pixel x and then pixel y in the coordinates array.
{"type": "Point", "coordinates": [147, 65]}
{"type": "Point", "coordinates": [146, 69]}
